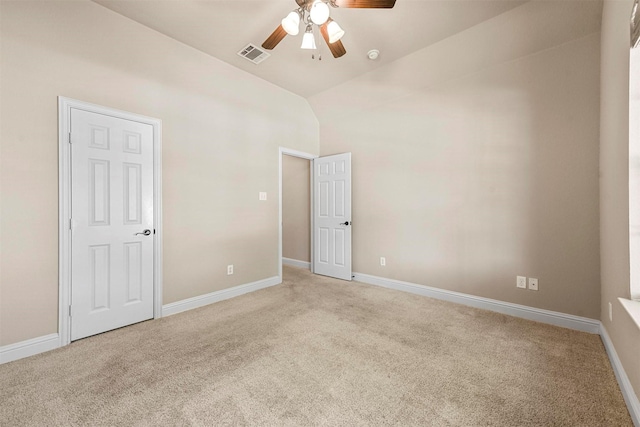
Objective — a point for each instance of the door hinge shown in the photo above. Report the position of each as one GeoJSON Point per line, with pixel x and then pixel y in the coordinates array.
{"type": "Point", "coordinates": [69, 311]}
{"type": "Point", "coordinates": [70, 224]}
{"type": "Point", "coordinates": [69, 137]}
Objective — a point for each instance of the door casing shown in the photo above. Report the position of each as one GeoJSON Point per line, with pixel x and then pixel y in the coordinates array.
{"type": "Point", "coordinates": [64, 206]}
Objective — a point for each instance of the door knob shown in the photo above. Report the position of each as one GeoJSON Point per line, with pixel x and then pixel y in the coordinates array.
{"type": "Point", "coordinates": [145, 232]}
{"type": "Point", "coordinates": [344, 223]}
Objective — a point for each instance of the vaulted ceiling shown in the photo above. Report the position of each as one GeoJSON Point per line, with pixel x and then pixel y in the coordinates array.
{"type": "Point", "coordinates": [221, 28]}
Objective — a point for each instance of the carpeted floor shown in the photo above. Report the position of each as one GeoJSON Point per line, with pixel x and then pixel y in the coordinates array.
{"type": "Point", "coordinates": [318, 351]}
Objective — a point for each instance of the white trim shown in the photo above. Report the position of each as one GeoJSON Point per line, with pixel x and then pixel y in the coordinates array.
{"type": "Point", "coordinates": [633, 308]}
{"type": "Point", "coordinates": [19, 350]}
{"type": "Point", "coordinates": [64, 202]}
{"type": "Point", "coordinates": [296, 263]}
{"type": "Point", "coordinates": [210, 298]}
{"type": "Point", "coordinates": [630, 398]}
{"type": "Point", "coordinates": [537, 314]}
{"type": "Point", "coordinates": [294, 153]}
{"type": "Point", "coordinates": [31, 347]}
{"type": "Point", "coordinates": [49, 342]}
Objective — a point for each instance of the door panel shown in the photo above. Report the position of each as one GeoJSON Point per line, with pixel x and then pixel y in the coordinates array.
{"type": "Point", "coordinates": [99, 195]}
{"type": "Point", "coordinates": [332, 213]}
{"type": "Point", "coordinates": [112, 200]}
{"type": "Point", "coordinates": [133, 271]}
{"type": "Point", "coordinates": [99, 276]}
{"type": "Point", "coordinates": [132, 193]}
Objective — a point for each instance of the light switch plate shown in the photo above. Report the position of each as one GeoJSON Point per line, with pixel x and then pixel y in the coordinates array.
{"type": "Point", "coordinates": [263, 195]}
{"type": "Point", "coordinates": [533, 284]}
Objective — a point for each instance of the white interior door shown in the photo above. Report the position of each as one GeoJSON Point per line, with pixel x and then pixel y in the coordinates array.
{"type": "Point", "coordinates": [112, 223]}
{"type": "Point", "coordinates": [332, 215]}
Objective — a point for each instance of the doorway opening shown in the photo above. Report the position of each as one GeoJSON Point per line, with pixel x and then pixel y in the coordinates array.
{"type": "Point", "coordinates": [296, 209]}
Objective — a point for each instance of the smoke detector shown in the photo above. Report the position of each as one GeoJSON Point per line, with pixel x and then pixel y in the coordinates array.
{"type": "Point", "coordinates": [373, 54]}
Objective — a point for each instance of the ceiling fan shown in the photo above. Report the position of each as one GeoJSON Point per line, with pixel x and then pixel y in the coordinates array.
{"type": "Point", "coordinates": [317, 12]}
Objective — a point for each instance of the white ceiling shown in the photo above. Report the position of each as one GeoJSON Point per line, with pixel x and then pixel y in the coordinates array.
{"type": "Point", "coordinates": [221, 28]}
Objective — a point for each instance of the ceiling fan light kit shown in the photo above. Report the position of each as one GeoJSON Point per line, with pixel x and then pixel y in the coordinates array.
{"type": "Point", "coordinates": [334, 31]}
{"type": "Point", "coordinates": [291, 23]}
{"type": "Point", "coordinates": [308, 41]}
{"type": "Point", "coordinates": [317, 12]}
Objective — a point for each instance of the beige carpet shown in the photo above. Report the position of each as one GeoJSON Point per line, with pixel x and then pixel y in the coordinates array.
{"type": "Point", "coordinates": [318, 351]}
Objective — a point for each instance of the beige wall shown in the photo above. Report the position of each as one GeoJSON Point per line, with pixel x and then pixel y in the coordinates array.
{"type": "Point", "coordinates": [614, 184]}
{"type": "Point", "coordinates": [221, 132]}
{"type": "Point", "coordinates": [296, 214]}
{"type": "Point", "coordinates": [476, 159]}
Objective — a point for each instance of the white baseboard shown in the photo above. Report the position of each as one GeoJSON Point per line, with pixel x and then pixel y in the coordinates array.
{"type": "Point", "coordinates": [539, 315]}
{"type": "Point", "coordinates": [202, 300]}
{"type": "Point", "coordinates": [623, 380]}
{"type": "Point", "coordinates": [11, 352]}
{"type": "Point", "coordinates": [296, 262]}
{"type": "Point", "coordinates": [19, 350]}
{"type": "Point", "coordinates": [569, 321]}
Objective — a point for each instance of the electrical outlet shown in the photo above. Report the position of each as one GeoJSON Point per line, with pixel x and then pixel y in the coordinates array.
{"type": "Point", "coordinates": [262, 195]}
{"type": "Point", "coordinates": [533, 284]}
{"type": "Point", "coordinates": [610, 313]}
{"type": "Point", "coordinates": [521, 282]}
{"type": "Point", "coordinates": [229, 269]}
{"type": "Point", "coordinates": [383, 261]}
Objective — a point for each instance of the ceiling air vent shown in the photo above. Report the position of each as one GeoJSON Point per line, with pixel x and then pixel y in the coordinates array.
{"type": "Point", "coordinates": [254, 54]}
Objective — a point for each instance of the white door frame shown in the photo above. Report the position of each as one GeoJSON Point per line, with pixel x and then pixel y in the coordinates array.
{"type": "Point", "coordinates": [64, 206]}
{"type": "Point", "coordinates": [294, 153]}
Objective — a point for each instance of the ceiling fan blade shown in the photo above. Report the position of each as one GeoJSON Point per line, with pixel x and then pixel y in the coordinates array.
{"type": "Point", "coordinates": [366, 4]}
{"type": "Point", "coordinates": [275, 38]}
{"type": "Point", "coordinates": [337, 48]}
